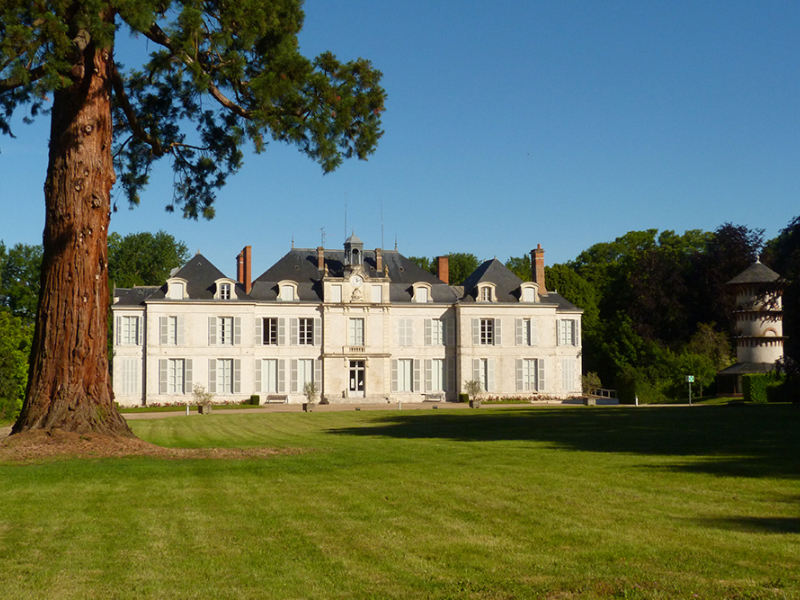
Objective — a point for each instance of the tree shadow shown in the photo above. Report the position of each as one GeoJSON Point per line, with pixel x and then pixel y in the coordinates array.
{"type": "Point", "coordinates": [776, 525]}
{"type": "Point", "coordinates": [749, 441]}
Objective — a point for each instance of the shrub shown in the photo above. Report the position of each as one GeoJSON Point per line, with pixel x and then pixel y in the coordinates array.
{"type": "Point", "coordinates": [255, 399]}
{"type": "Point", "coordinates": [755, 388]}
{"type": "Point", "coordinates": [463, 397]}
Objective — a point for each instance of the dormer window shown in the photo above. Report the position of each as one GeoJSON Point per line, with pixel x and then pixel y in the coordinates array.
{"type": "Point", "coordinates": [528, 293]}
{"type": "Point", "coordinates": [422, 293]}
{"type": "Point", "coordinates": [176, 289]}
{"type": "Point", "coordinates": [486, 293]}
{"type": "Point", "coordinates": [225, 290]}
{"type": "Point", "coordinates": [287, 291]}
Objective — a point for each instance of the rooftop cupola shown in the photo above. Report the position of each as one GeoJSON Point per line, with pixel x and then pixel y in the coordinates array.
{"type": "Point", "coordinates": [353, 251]}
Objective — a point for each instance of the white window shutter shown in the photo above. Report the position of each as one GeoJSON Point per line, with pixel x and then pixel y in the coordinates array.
{"type": "Point", "coordinates": [428, 374]}
{"type": "Point", "coordinates": [318, 374]}
{"type": "Point", "coordinates": [317, 331]}
{"type": "Point", "coordinates": [162, 331]}
{"type": "Point", "coordinates": [281, 376]}
{"type": "Point", "coordinates": [476, 369]}
{"type": "Point", "coordinates": [139, 331]}
{"type": "Point", "coordinates": [295, 331]}
{"type": "Point", "coordinates": [540, 378]}
{"type": "Point", "coordinates": [293, 366]}
{"type": "Point", "coordinates": [518, 324]}
{"type": "Point", "coordinates": [476, 332]}
{"type": "Point", "coordinates": [237, 376]}
{"type": "Point", "coordinates": [257, 372]}
{"type": "Point", "coordinates": [427, 335]}
{"type": "Point", "coordinates": [281, 332]}
{"type": "Point", "coordinates": [577, 337]}
{"type": "Point", "coordinates": [237, 331]}
{"type": "Point", "coordinates": [490, 375]}
{"type": "Point", "coordinates": [212, 331]}
{"type": "Point", "coordinates": [498, 340]}
{"type": "Point", "coordinates": [187, 376]}
{"type": "Point", "coordinates": [212, 376]}
{"type": "Point", "coordinates": [180, 325]}
{"type": "Point", "coordinates": [119, 331]}
{"type": "Point", "coordinates": [451, 374]}
{"type": "Point", "coordinates": [520, 383]}
{"type": "Point", "coordinates": [417, 385]}
{"type": "Point", "coordinates": [450, 331]}
{"type": "Point", "coordinates": [534, 333]}
{"type": "Point", "coordinates": [258, 338]}
{"type": "Point", "coordinates": [558, 332]}
{"type": "Point", "coordinates": [394, 374]}
{"type": "Point", "coordinates": [162, 376]}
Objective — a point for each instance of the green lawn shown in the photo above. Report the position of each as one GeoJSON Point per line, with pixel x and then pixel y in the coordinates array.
{"type": "Point", "coordinates": [656, 502]}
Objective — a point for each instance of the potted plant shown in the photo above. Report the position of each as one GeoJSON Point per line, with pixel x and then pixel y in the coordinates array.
{"type": "Point", "coordinates": [473, 389]}
{"type": "Point", "coordinates": [202, 398]}
{"type": "Point", "coordinates": [310, 392]}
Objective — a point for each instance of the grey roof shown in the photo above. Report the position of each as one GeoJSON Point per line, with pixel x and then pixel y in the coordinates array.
{"type": "Point", "coordinates": [134, 296]}
{"type": "Point", "coordinates": [747, 369]}
{"type": "Point", "coordinates": [755, 273]}
{"type": "Point", "coordinates": [353, 239]}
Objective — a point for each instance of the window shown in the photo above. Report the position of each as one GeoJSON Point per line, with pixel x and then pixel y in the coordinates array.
{"type": "Point", "coordinates": [356, 332]}
{"type": "Point", "coordinates": [568, 383]}
{"type": "Point", "coordinates": [487, 332]}
{"type": "Point", "coordinates": [225, 291]}
{"type": "Point", "coordinates": [128, 331]}
{"type": "Point", "coordinates": [567, 332]}
{"type": "Point", "coordinates": [421, 294]}
{"type": "Point", "coordinates": [526, 332]}
{"type": "Point", "coordinates": [435, 375]}
{"type": "Point", "coordinates": [129, 376]}
{"type": "Point", "coordinates": [224, 331]}
{"type": "Point", "coordinates": [405, 333]}
{"type": "Point", "coordinates": [486, 294]}
{"type": "Point", "coordinates": [175, 290]}
{"type": "Point", "coordinates": [530, 374]}
{"type": "Point", "coordinates": [483, 371]}
{"type": "Point", "coordinates": [175, 376]}
{"type": "Point", "coordinates": [434, 332]}
{"type": "Point", "coordinates": [171, 331]}
{"type": "Point", "coordinates": [336, 293]}
{"type": "Point", "coordinates": [287, 293]}
{"type": "Point", "coordinates": [405, 375]}
{"type": "Point", "coordinates": [528, 294]}
{"type": "Point", "coordinates": [269, 375]}
{"type": "Point", "coordinates": [269, 331]}
{"type": "Point", "coordinates": [303, 373]}
{"type": "Point", "coordinates": [306, 332]}
{"type": "Point", "coordinates": [377, 294]}
{"type": "Point", "coordinates": [225, 376]}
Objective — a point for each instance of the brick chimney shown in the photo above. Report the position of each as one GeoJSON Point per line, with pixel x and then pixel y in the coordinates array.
{"type": "Point", "coordinates": [443, 268]}
{"type": "Point", "coordinates": [320, 258]}
{"type": "Point", "coordinates": [537, 268]}
{"type": "Point", "coordinates": [244, 273]}
{"type": "Point", "coordinates": [379, 261]}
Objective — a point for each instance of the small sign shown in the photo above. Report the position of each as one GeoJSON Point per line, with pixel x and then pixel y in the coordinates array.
{"type": "Point", "coordinates": [690, 379]}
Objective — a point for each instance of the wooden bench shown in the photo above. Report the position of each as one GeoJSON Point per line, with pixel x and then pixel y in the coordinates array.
{"type": "Point", "coordinates": [276, 399]}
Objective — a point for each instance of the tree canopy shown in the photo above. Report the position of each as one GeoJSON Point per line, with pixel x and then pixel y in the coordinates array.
{"type": "Point", "coordinates": [143, 258]}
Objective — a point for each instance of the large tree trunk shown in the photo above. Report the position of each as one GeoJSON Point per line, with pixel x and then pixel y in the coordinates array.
{"type": "Point", "coordinates": [69, 386]}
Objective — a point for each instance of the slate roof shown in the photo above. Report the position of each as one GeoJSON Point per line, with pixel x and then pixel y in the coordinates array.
{"type": "Point", "coordinates": [134, 296]}
{"type": "Point", "coordinates": [747, 369]}
{"type": "Point", "coordinates": [755, 273]}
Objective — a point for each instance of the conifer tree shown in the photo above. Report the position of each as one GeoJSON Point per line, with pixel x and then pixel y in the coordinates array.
{"type": "Point", "coordinates": [220, 74]}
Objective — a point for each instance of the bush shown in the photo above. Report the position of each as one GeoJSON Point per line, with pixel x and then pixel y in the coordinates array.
{"type": "Point", "coordinates": [762, 388]}
{"type": "Point", "coordinates": [255, 399]}
{"type": "Point", "coordinates": [463, 397]}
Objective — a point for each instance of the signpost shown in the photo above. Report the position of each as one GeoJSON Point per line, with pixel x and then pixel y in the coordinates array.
{"type": "Point", "coordinates": [690, 381]}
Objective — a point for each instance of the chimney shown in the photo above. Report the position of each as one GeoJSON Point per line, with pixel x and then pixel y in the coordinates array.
{"type": "Point", "coordinates": [443, 268]}
{"type": "Point", "coordinates": [244, 268]}
{"type": "Point", "coordinates": [537, 268]}
{"type": "Point", "coordinates": [379, 261]}
{"type": "Point", "coordinates": [320, 258]}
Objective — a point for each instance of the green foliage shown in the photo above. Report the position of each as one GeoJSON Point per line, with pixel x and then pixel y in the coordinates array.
{"type": "Point", "coordinates": [782, 254]}
{"type": "Point", "coordinates": [424, 262]}
{"type": "Point", "coordinates": [218, 76]}
{"type": "Point", "coordinates": [521, 266]}
{"type": "Point", "coordinates": [20, 274]}
{"type": "Point", "coordinates": [576, 290]}
{"type": "Point", "coordinates": [143, 258]}
{"type": "Point", "coordinates": [754, 388]}
{"type": "Point", "coordinates": [463, 398]}
{"type": "Point", "coordinates": [255, 399]}
{"type": "Point", "coordinates": [15, 345]}
{"type": "Point", "coordinates": [460, 265]}
{"type": "Point", "coordinates": [590, 383]}
{"type": "Point", "coordinates": [473, 388]}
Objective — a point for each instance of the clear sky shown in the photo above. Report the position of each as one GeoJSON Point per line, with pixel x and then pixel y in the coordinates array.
{"type": "Point", "coordinates": [509, 124]}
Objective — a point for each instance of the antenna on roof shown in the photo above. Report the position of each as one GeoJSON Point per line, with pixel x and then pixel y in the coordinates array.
{"type": "Point", "coordinates": [292, 241]}
{"type": "Point", "coordinates": [345, 219]}
{"type": "Point", "coordinates": [322, 236]}
{"type": "Point", "coordinates": [395, 242]}
{"type": "Point", "coordinates": [381, 224]}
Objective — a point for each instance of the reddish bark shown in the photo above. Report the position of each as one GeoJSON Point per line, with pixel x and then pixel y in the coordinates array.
{"type": "Point", "coordinates": [69, 385]}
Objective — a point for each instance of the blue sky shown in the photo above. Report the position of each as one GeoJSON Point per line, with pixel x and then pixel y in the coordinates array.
{"type": "Point", "coordinates": [509, 124]}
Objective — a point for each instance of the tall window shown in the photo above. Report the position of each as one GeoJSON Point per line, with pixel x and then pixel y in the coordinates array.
{"type": "Point", "coordinates": [486, 294]}
{"type": "Point", "coordinates": [567, 332]}
{"type": "Point", "coordinates": [269, 332]}
{"type": "Point", "coordinates": [487, 332]}
{"type": "Point", "coordinates": [225, 291]}
{"type": "Point", "coordinates": [130, 377]}
{"type": "Point", "coordinates": [568, 379]}
{"type": "Point", "coordinates": [356, 332]}
{"type": "Point", "coordinates": [436, 379]}
{"type": "Point", "coordinates": [483, 371]}
{"type": "Point", "coordinates": [269, 375]}
{"type": "Point", "coordinates": [171, 331]}
{"type": "Point", "coordinates": [421, 294]}
{"type": "Point", "coordinates": [528, 294]}
{"type": "Point", "coordinates": [175, 376]}
{"type": "Point", "coordinates": [129, 331]}
{"type": "Point", "coordinates": [404, 332]}
{"type": "Point", "coordinates": [225, 376]}
{"type": "Point", "coordinates": [434, 334]}
{"type": "Point", "coordinates": [225, 331]}
{"type": "Point", "coordinates": [526, 332]}
{"type": "Point", "coordinates": [405, 375]}
{"type": "Point", "coordinates": [287, 293]}
{"type": "Point", "coordinates": [305, 373]}
{"type": "Point", "coordinates": [306, 332]}
{"type": "Point", "coordinates": [530, 375]}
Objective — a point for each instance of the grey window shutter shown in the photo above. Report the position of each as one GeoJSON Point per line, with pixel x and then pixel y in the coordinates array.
{"type": "Point", "coordinates": [534, 333]}
{"type": "Point", "coordinates": [163, 330]}
{"type": "Point", "coordinates": [450, 331]}
{"type": "Point", "coordinates": [212, 331]}
{"type": "Point", "coordinates": [497, 333]}
{"type": "Point", "coordinates": [394, 374]}
{"type": "Point", "coordinates": [576, 340]}
{"type": "Point", "coordinates": [417, 386]}
{"type": "Point", "coordinates": [162, 376]}
{"type": "Point", "coordinates": [520, 384]}
{"type": "Point", "coordinates": [237, 331]}
{"type": "Point", "coordinates": [318, 374]}
{"type": "Point", "coordinates": [476, 332]}
{"type": "Point", "coordinates": [259, 338]}
{"type": "Point", "coordinates": [558, 332]}
{"type": "Point", "coordinates": [295, 335]}
{"type": "Point", "coordinates": [180, 326]}
{"type": "Point", "coordinates": [518, 325]}
{"type": "Point", "coordinates": [281, 332]}
{"type": "Point", "coordinates": [451, 374]}
{"type": "Point", "coordinates": [293, 365]}
{"type": "Point", "coordinates": [540, 378]}
{"type": "Point", "coordinates": [187, 376]}
{"type": "Point", "coordinates": [281, 376]}
{"type": "Point", "coordinates": [427, 340]}
{"type": "Point", "coordinates": [119, 331]}
{"type": "Point", "coordinates": [237, 376]}
{"type": "Point", "coordinates": [317, 331]}
{"type": "Point", "coordinates": [212, 375]}
{"type": "Point", "coordinates": [476, 369]}
{"type": "Point", "coordinates": [490, 375]}
{"type": "Point", "coordinates": [139, 332]}
{"type": "Point", "coordinates": [428, 375]}
{"type": "Point", "coordinates": [257, 372]}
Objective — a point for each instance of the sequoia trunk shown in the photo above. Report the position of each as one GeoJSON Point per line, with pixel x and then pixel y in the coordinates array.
{"type": "Point", "coordinates": [69, 385]}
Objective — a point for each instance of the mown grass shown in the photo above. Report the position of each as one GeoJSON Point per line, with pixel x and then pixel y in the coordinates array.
{"type": "Point", "coordinates": [656, 502]}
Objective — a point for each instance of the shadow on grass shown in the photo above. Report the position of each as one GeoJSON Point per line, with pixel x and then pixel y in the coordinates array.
{"type": "Point", "coordinates": [750, 441]}
{"type": "Point", "coordinates": [753, 524]}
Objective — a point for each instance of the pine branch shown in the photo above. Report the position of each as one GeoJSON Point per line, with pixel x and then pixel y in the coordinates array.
{"type": "Point", "coordinates": [12, 83]}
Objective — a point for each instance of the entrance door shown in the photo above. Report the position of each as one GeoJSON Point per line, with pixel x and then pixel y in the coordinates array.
{"type": "Point", "coordinates": [357, 377]}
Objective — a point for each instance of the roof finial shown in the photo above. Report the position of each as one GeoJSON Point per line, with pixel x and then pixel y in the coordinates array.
{"type": "Point", "coordinates": [758, 257]}
{"type": "Point", "coordinates": [292, 241]}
